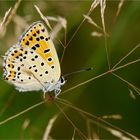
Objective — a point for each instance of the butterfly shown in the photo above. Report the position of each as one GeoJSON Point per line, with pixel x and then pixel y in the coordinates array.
{"type": "Point", "coordinates": [32, 64]}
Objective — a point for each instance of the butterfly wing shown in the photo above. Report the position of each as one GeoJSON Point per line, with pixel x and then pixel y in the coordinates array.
{"type": "Point", "coordinates": [33, 63]}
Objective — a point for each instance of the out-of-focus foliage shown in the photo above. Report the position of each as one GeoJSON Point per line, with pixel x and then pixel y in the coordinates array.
{"type": "Point", "coordinates": [103, 96]}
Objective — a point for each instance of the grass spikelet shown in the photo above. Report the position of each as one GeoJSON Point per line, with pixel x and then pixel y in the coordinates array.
{"type": "Point", "coordinates": [114, 116]}
{"type": "Point", "coordinates": [131, 93]}
{"type": "Point", "coordinates": [43, 17]}
{"type": "Point", "coordinates": [49, 127]}
{"type": "Point", "coordinates": [96, 34]}
{"type": "Point", "coordinates": [120, 135]}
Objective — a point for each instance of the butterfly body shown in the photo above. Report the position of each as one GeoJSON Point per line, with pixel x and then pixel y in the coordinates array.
{"type": "Point", "coordinates": [32, 64]}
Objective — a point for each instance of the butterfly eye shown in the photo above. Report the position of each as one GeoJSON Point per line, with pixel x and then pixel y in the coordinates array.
{"type": "Point", "coordinates": [62, 80]}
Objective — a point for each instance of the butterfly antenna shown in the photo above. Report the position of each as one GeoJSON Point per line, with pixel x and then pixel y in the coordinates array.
{"type": "Point", "coordinates": [79, 71]}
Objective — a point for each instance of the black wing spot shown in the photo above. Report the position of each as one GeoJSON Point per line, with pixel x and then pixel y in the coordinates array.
{"type": "Point", "coordinates": [34, 34]}
{"type": "Point", "coordinates": [43, 30]}
{"type": "Point", "coordinates": [36, 56]}
{"type": "Point", "coordinates": [40, 74]}
{"type": "Point", "coordinates": [35, 70]}
{"type": "Point", "coordinates": [49, 59]}
{"type": "Point", "coordinates": [33, 59]}
{"type": "Point", "coordinates": [25, 52]}
{"type": "Point", "coordinates": [18, 68]}
{"type": "Point", "coordinates": [37, 45]}
{"type": "Point", "coordinates": [27, 43]}
{"type": "Point", "coordinates": [34, 48]}
{"type": "Point", "coordinates": [42, 64]}
{"type": "Point", "coordinates": [45, 51]}
{"type": "Point", "coordinates": [47, 38]}
{"type": "Point", "coordinates": [19, 73]}
{"type": "Point", "coordinates": [38, 31]}
{"type": "Point", "coordinates": [15, 51]}
{"type": "Point", "coordinates": [52, 67]}
{"type": "Point", "coordinates": [46, 72]}
{"type": "Point", "coordinates": [21, 54]}
{"type": "Point", "coordinates": [41, 37]}
{"type": "Point", "coordinates": [31, 38]}
{"type": "Point", "coordinates": [37, 39]}
{"type": "Point", "coordinates": [24, 57]}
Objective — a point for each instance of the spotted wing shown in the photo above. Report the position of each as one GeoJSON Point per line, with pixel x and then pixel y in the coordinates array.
{"type": "Point", "coordinates": [37, 38]}
{"type": "Point", "coordinates": [33, 62]}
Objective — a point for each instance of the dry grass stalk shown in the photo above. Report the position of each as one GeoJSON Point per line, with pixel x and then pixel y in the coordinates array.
{"type": "Point", "coordinates": [73, 134]}
{"type": "Point", "coordinates": [88, 128]}
{"type": "Point", "coordinates": [119, 7]}
{"type": "Point", "coordinates": [49, 127]}
{"type": "Point", "coordinates": [2, 29]}
{"type": "Point", "coordinates": [5, 17]}
{"type": "Point", "coordinates": [8, 17]}
{"type": "Point", "coordinates": [94, 4]}
{"type": "Point", "coordinates": [129, 53]}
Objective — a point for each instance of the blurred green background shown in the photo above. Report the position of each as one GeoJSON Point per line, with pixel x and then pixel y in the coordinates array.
{"type": "Point", "coordinates": [107, 95]}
